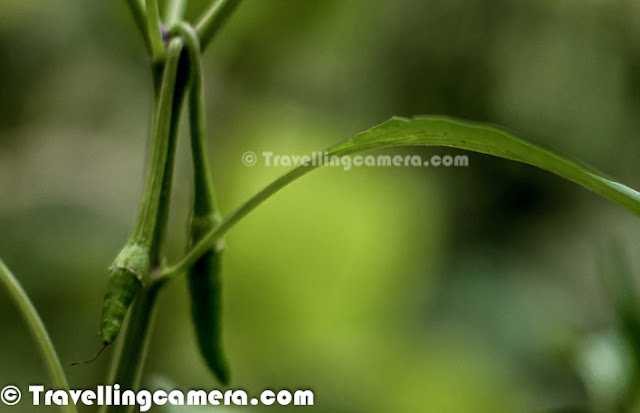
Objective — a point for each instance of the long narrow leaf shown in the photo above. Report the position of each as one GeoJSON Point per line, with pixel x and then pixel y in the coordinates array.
{"type": "Point", "coordinates": [436, 131]}
{"type": "Point", "coordinates": [443, 131]}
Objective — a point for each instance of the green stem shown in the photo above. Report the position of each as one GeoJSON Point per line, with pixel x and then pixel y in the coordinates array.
{"type": "Point", "coordinates": [138, 11]}
{"type": "Point", "coordinates": [131, 355]}
{"type": "Point", "coordinates": [153, 31]}
{"type": "Point", "coordinates": [132, 352]}
{"type": "Point", "coordinates": [148, 217]}
{"type": "Point", "coordinates": [181, 85]}
{"type": "Point", "coordinates": [37, 329]}
{"type": "Point", "coordinates": [213, 18]}
{"type": "Point", "coordinates": [207, 240]}
{"type": "Point", "coordinates": [175, 12]}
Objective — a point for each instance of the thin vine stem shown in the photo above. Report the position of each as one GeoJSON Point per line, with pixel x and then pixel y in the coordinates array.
{"type": "Point", "coordinates": [175, 10]}
{"type": "Point", "coordinates": [38, 331]}
{"type": "Point", "coordinates": [153, 31]}
{"type": "Point", "coordinates": [147, 223]}
{"type": "Point", "coordinates": [181, 85]}
{"type": "Point", "coordinates": [232, 219]}
{"type": "Point", "coordinates": [132, 352]}
{"type": "Point", "coordinates": [139, 14]}
{"type": "Point", "coordinates": [132, 349]}
{"type": "Point", "coordinates": [213, 18]}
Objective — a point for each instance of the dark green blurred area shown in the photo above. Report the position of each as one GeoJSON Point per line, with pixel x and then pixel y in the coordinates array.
{"type": "Point", "coordinates": [407, 290]}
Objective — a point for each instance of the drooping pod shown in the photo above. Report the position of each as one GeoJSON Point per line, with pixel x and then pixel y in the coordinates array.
{"type": "Point", "coordinates": [205, 288]}
{"type": "Point", "coordinates": [125, 281]}
{"type": "Point", "coordinates": [126, 276]}
{"type": "Point", "coordinates": [204, 276]}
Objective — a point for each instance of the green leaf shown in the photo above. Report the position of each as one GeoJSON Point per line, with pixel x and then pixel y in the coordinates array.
{"type": "Point", "coordinates": [432, 131]}
{"type": "Point", "coordinates": [443, 131]}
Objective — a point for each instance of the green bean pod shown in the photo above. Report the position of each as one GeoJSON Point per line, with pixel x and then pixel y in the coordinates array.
{"type": "Point", "coordinates": [205, 287]}
{"type": "Point", "coordinates": [125, 281]}
{"type": "Point", "coordinates": [204, 277]}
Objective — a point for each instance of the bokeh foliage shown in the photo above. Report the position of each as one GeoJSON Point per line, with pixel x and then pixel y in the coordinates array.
{"type": "Point", "coordinates": [445, 290]}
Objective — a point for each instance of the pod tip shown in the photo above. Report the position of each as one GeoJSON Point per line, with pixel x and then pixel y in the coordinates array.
{"type": "Point", "coordinates": [93, 359]}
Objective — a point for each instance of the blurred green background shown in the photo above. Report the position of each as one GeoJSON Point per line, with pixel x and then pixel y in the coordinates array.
{"type": "Point", "coordinates": [384, 290]}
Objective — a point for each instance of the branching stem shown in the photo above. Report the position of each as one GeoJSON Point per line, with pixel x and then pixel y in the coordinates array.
{"type": "Point", "coordinates": [213, 18]}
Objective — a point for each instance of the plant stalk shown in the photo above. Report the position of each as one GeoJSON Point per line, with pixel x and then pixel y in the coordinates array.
{"type": "Point", "coordinates": [131, 356]}
{"type": "Point", "coordinates": [213, 19]}
{"type": "Point", "coordinates": [38, 331]}
{"type": "Point", "coordinates": [161, 155]}
{"type": "Point", "coordinates": [139, 14]}
{"type": "Point", "coordinates": [228, 222]}
{"type": "Point", "coordinates": [181, 86]}
{"type": "Point", "coordinates": [154, 34]}
{"type": "Point", "coordinates": [175, 12]}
